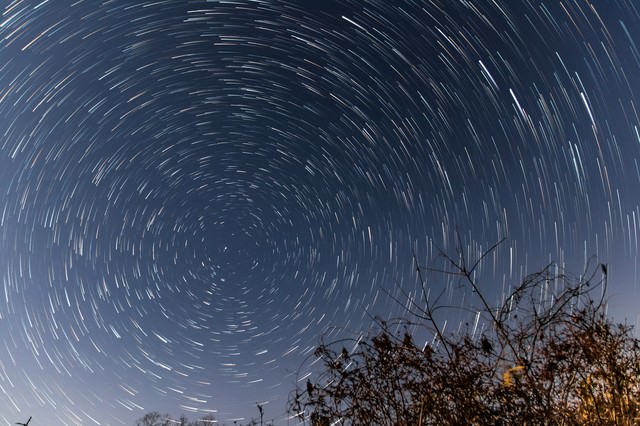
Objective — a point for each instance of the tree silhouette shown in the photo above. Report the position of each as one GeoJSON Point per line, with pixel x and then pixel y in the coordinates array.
{"type": "Point", "coordinates": [154, 418]}
{"type": "Point", "coordinates": [547, 355]}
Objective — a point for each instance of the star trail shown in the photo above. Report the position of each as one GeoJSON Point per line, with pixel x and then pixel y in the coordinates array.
{"type": "Point", "coordinates": [194, 192]}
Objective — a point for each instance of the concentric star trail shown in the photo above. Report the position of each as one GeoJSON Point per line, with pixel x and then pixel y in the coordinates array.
{"type": "Point", "coordinates": [193, 191]}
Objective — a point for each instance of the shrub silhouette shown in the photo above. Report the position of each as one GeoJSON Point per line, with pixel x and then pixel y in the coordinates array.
{"type": "Point", "coordinates": [548, 355]}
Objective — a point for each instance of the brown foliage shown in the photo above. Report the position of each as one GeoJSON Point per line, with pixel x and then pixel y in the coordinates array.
{"type": "Point", "coordinates": [547, 356]}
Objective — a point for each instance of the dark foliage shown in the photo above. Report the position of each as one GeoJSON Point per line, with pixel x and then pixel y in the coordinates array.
{"type": "Point", "coordinates": [548, 355]}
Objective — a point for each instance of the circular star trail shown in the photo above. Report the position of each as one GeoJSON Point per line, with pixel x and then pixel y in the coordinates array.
{"type": "Point", "coordinates": [193, 192]}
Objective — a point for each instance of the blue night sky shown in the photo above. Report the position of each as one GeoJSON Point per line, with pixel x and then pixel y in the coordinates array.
{"type": "Point", "coordinates": [194, 192]}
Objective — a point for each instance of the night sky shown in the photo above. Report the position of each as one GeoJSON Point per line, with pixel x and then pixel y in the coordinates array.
{"type": "Point", "coordinates": [193, 192]}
